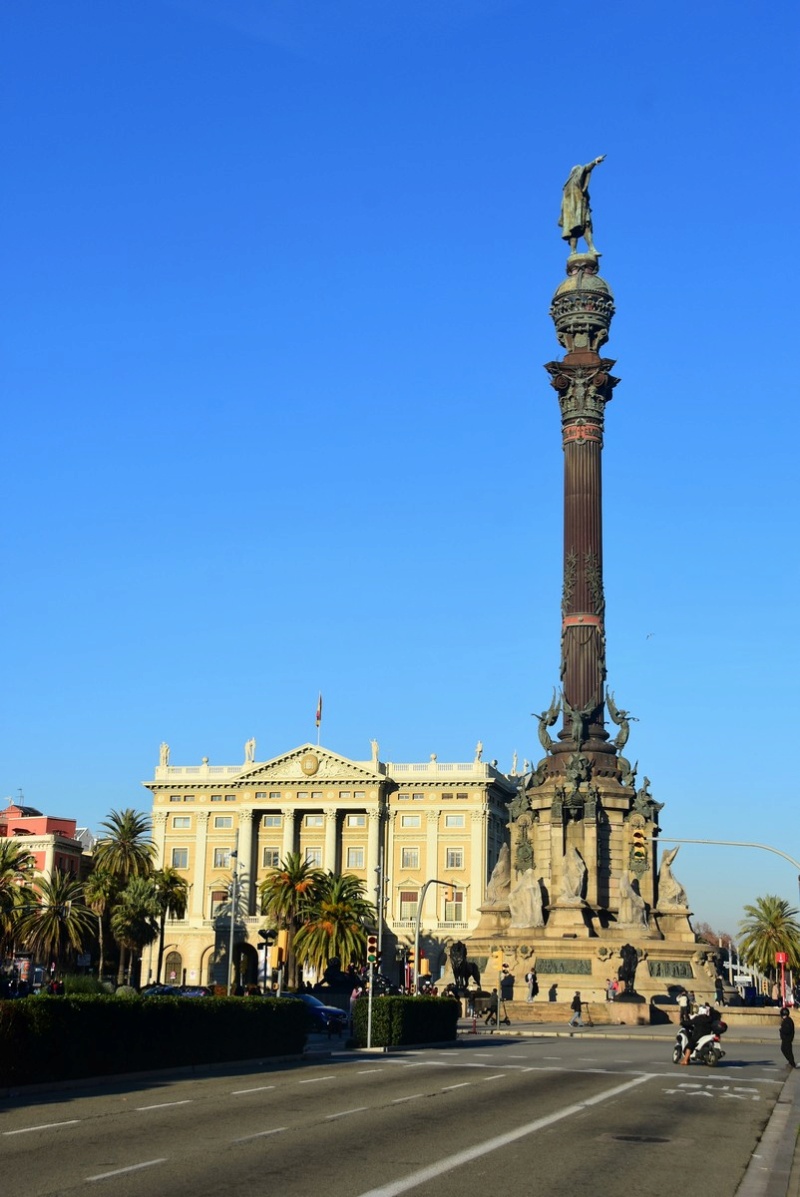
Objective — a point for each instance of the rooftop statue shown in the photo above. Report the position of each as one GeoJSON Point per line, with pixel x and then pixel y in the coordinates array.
{"type": "Point", "coordinates": [576, 214]}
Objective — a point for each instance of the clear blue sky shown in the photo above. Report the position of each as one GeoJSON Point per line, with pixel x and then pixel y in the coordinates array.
{"type": "Point", "coordinates": [275, 300]}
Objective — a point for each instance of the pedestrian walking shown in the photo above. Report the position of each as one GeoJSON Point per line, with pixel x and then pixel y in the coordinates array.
{"type": "Point", "coordinates": [575, 1007]}
{"type": "Point", "coordinates": [787, 1036]}
{"type": "Point", "coordinates": [492, 1008]}
{"type": "Point", "coordinates": [533, 985]}
{"type": "Point", "coordinates": [719, 992]}
{"type": "Point", "coordinates": [611, 989]}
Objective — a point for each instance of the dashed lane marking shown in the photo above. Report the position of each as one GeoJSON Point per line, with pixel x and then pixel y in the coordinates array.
{"type": "Point", "coordinates": [258, 1089]}
{"type": "Point", "coordinates": [276, 1130]}
{"type": "Point", "coordinates": [130, 1168]}
{"type": "Point", "coordinates": [26, 1130]}
{"type": "Point", "coordinates": [344, 1113]}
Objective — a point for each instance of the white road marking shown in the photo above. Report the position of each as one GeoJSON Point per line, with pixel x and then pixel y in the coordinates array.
{"type": "Point", "coordinates": [367, 1071]}
{"type": "Point", "coordinates": [496, 1077]}
{"type": "Point", "coordinates": [313, 1080]}
{"type": "Point", "coordinates": [413, 1097]}
{"type": "Point", "coordinates": [434, 1171]}
{"type": "Point", "coordinates": [26, 1130]}
{"type": "Point", "coordinates": [344, 1113]}
{"type": "Point", "coordinates": [260, 1134]}
{"type": "Point", "coordinates": [461, 1085]}
{"type": "Point", "coordinates": [258, 1089]}
{"type": "Point", "coordinates": [162, 1105]}
{"type": "Point", "coordinates": [131, 1168]}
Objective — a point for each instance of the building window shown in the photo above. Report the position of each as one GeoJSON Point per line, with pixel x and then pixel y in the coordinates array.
{"type": "Point", "coordinates": [345, 795]}
{"type": "Point", "coordinates": [261, 796]}
{"type": "Point", "coordinates": [230, 797]}
{"type": "Point", "coordinates": [275, 795]}
{"type": "Point", "coordinates": [216, 797]}
{"type": "Point", "coordinates": [315, 820]}
{"type": "Point", "coordinates": [403, 797]}
{"type": "Point", "coordinates": [218, 899]}
{"type": "Point", "coordinates": [176, 798]}
{"type": "Point", "coordinates": [418, 797]}
{"type": "Point", "coordinates": [222, 858]}
{"type": "Point", "coordinates": [359, 795]}
{"type": "Point", "coordinates": [410, 858]}
{"type": "Point", "coordinates": [303, 795]}
{"type": "Point", "coordinates": [462, 797]}
{"type": "Point", "coordinates": [355, 858]}
{"type": "Point", "coordinates": [223, 820]}
{"type": "Point", "coordinates": [356, 820]}
{"type": "Point", "coordinates": [314, 857]}
{"type": "Point", "coordinates": [272, 821]}
{"type": "Point", "coordinates": [316, 795]}
{"type": "Point", "coordinates": [180, 858]}
{"type": "Point", "coordinates": [410, 821]}
{"type": "Point", "coordinates": [271, 858]}
{"type": "Point", "coordinates": [454, 820]}
{"type": "Point", "coordinates": [454, 906]}
{"type": "Point", "coordinates": [408, 903]}
{"type": "Point", "coordinates": [447, 797]}
{"type": "Point", "coordinates": [455, 858]}
{"type": "Point", "coordinates": [188, 797]}
{"type": "Point", "coordinates": [181, 821]}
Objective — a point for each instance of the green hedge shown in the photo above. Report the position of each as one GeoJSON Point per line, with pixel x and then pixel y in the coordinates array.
{"type": "Point", "coordinates": [60, 1038]}
{"type": "Point", "coordinates": [404, 1020]}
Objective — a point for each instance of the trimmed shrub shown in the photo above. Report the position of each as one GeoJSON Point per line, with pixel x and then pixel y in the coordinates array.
{"type": "Point", "coordinates": [404, 1020]}
{"type": "Point", "coordinates": [60, 1038]}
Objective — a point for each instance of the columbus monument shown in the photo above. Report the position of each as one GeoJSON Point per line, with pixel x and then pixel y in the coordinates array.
{"type": "Point", "coordinates": [581, 897]}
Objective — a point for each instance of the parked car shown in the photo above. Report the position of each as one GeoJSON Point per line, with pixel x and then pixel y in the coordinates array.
{"type": "Point", "coordinates": [161, 991]}
{"type": "Point", "coordinates": [320, 1016]}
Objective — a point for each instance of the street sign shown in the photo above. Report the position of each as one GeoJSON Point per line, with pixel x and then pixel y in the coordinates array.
{"type": "Point", "coordinates": [781, 958]}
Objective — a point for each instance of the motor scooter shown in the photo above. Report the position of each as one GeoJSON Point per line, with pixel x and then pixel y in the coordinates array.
{"type": "Point", "coordinates": [707, 1050]}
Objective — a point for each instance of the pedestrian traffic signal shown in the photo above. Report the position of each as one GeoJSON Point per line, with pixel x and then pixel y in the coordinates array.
{"type": "Point", "coordinates": [373, 955]}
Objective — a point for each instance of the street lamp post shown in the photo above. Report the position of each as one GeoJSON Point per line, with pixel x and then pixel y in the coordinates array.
{"type": "Point", "coordinates": [422, 893]}
{"type": "Point", "coordinates": [738, 844]}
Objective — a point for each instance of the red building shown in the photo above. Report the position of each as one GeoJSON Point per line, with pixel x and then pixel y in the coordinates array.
{"type": "Point", "coordinates": [51, 840]}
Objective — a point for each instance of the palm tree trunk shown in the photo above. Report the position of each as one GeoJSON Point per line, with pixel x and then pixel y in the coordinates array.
{"type": "Point", "coordinates": [121, 969]}
{"type": "Point", "coordinates": [101, 963]}
{"type": "Point", "coordinates": [160, 946]}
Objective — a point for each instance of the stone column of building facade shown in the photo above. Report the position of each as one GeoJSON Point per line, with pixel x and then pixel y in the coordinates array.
{"type": "Point", "coordinates": [159, 836]}
{"type": "Point", "coordinates": [199, 872]}
{"type": "Point", "coordinates": [374, 819]}
{"type": "Point", "coordinates": [247, 874]}
{"type": "Point", "coordinates": [329, 857]}
{"type": "Point", "coordinates": [289, 832]}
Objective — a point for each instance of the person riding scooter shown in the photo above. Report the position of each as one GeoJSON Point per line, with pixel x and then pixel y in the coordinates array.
{"type": "Point", "coordinates": [700, 1025]}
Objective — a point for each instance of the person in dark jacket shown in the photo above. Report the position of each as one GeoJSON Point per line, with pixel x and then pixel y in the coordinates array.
{"type": "Point", "coordinates": [492, 1008]}
{"type": "Point", "coordinates": [787, 1036]}
{"type": "Point", "coordinates": [697, 1027]}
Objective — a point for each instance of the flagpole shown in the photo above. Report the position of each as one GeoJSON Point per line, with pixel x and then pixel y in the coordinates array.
{"type": "Point", "coordinates": [319, 715]}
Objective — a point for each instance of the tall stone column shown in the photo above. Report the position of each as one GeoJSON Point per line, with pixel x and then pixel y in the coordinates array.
{"type": "Point", "coordinates": [431, 861]}
{"type": "Point", "coordinates": [199, 871]}
{"type": "Point", "coordinates": [582, 310]}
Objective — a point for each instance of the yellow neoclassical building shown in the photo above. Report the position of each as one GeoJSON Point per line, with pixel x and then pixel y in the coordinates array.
{"type": "Point", "coordinates": [409, 823]}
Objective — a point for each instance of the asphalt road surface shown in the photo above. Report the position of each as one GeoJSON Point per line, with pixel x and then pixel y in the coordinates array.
{"type": "Point", "coordinates": [552, 1116]}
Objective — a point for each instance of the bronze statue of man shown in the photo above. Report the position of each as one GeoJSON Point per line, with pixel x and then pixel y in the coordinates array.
{"type": "Point", "coordinates": [576, 214]}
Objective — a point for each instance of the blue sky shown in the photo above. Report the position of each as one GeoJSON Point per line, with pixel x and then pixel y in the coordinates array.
{"type": "Point", "coordinates": [275, 304]}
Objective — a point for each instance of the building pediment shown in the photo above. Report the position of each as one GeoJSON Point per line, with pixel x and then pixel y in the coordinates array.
{"type": "Point", "coordinates": [311, 763]}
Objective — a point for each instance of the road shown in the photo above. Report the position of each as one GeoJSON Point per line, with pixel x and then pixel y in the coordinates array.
{"type": "Point", "coordinates": [561, 1116]}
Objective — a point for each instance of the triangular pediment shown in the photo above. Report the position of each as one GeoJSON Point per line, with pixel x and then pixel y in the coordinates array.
{"type": "Point", "coordinates": [310, 762]}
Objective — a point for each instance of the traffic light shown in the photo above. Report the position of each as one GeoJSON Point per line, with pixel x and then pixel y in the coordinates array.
{"type": "Point", "coordinates": [411, 958]}
{"type": "Point", "coordinates": [269, 937]}
{"type": "Point", "coordinates": [373, 956]}
{"type": "Point", "coordinates": [638, 846]}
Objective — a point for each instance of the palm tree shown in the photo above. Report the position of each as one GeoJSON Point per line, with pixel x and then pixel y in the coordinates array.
{"type": "Point", "coordinates": [126, 852]}
{"type": "Point", "coordinates": [336, 924]}
{"type": "Point", "coordinates": [99, 890]}
{"type": "Point", "coordinates": [288, 895]}
{"type": "Point", "coordinates": [16, 866]}
{"type": "Point", "coordinates": [135, 917]}
{"type": "Point", "coordinates": [771, 926]}
{"type": "Point", "coordinates": [59, 921]}
{"type": "Point", "coordinates": [172, 894]}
